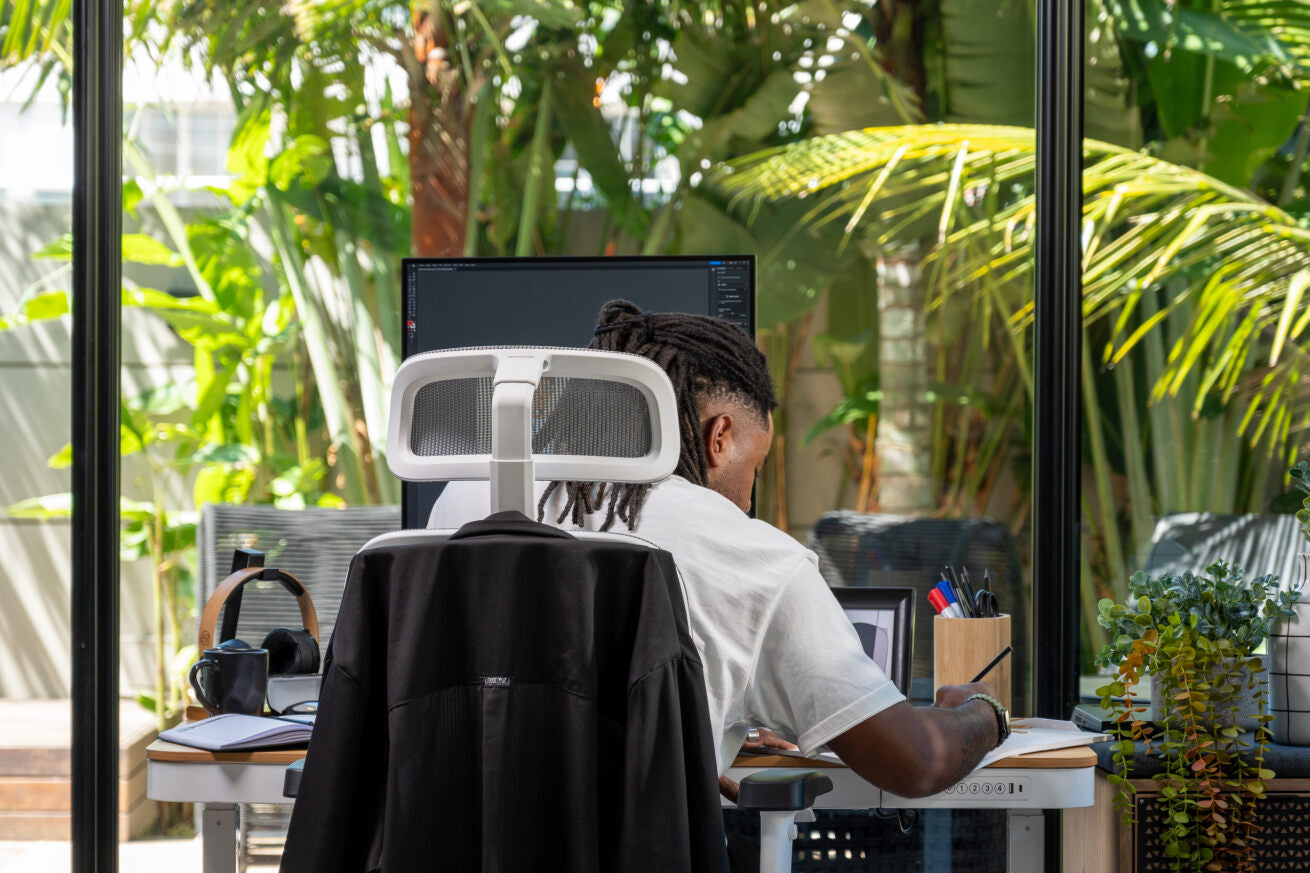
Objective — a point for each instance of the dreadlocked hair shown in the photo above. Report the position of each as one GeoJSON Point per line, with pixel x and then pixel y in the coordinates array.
{"type": "Point", "coordinates": [704, 358]}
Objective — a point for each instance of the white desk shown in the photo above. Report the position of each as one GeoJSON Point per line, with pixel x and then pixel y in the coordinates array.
{"type": "Point", "coordinates": [219, 780]}
{"type": "Point", "coordinates": [1022, 786]}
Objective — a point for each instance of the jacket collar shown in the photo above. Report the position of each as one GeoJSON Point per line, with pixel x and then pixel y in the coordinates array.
{"type": "Point", "coordinates": [508, 523]}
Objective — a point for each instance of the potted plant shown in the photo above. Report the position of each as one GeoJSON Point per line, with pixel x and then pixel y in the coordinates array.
{"type": "Point", "coordinates": [1291, 653]}
{"type": "Point", "coordinates": [1196, 636]}
{"type": "Point", "coordinates": [1301, 473]}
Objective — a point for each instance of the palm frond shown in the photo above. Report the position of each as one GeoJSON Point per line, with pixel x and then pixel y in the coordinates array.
{"type": "Point", "coordinates": [1147, 224]}
{"type": "Point", "coordinates": [34, 29]}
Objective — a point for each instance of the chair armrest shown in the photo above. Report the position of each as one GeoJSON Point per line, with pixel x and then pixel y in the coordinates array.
{"type": "Point", "coordinates": [291, 781]}
{"type": "Point", "coordinates": [774, 790]}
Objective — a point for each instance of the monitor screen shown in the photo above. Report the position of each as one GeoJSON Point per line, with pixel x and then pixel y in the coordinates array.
{"type": "Point", "coordinates": [457, 302]}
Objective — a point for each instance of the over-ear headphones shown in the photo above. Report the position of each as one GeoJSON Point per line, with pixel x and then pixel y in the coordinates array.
{"type": "Point", "coordinates": [290, 650]}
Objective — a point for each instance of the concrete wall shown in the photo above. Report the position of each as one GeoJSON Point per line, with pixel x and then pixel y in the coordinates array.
{"type": "Point", "coordinates": [35, 392]}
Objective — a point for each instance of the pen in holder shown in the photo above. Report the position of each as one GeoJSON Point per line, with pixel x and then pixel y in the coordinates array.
{"type": "Point", "coordinates": [961, 647]}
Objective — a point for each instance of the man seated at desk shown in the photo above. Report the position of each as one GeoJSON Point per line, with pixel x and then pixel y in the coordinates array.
{"type": "Point", "coordinates": [776, 647]}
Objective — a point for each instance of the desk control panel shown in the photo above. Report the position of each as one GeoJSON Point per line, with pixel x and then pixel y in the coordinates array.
{"type": "Point", "coordinates": [1008, 788]}
{"type": "Point", "coordinates": [1030, 788]}
{"type": "Point", "coordinates": [988, 789]}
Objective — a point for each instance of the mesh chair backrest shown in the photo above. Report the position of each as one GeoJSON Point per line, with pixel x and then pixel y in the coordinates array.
{"type": "Point", "coordinates": [859, 549]}
{"type": "Point", "coordinates": [575, 414]}
{"type": "Point", "coordinates": [570, 416]}
{"type": "Point", "coordinates": [314, 545]}
{"type": "Point", "coordinates": [1261, 544]}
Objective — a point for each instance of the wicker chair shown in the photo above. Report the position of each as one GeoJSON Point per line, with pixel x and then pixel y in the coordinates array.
{"type": "Point", "coordinates": [1259, 543]}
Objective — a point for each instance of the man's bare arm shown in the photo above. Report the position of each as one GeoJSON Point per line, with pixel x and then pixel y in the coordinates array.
{"type": "Point", "coordinates": [919, 750]}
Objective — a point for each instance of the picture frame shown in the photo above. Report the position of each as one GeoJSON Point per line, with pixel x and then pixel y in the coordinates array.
{"type": "Point", "coordinates": [884, 619]}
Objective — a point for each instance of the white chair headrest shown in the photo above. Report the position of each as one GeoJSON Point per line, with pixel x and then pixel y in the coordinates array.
{"type": "Point", "coordinates": [515, 414]}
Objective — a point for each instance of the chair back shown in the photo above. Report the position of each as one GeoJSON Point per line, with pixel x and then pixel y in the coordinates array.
{"type": "Point", "coordinates": [314, 545]}
{"type": "Point", "coordinates": [513, 415]}
{"type": "Point", "coordinates": [859, 549]}
{"type": "Point", "coordinates": [1261, 544]}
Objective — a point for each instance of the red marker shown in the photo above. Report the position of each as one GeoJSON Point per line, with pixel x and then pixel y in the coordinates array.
{"type": "Point", "coordinates": [943, 606]}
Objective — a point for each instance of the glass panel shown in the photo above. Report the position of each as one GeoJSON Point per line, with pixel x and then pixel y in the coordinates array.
{"type": "Point", "coordinates": [898, 324]}
{"type": "Point", "coordinates": [36, 157]}
{"type": "Point", "coordinates": [36, 174]}
{"type": "Point", "coordinates": [273, 185]}
{"type": "Point", "coordinates": [265, 192]}
{"type": "Point", "coordinates": [1195, 398]}
{"type": "Point", "coordinates": [1192, 372]}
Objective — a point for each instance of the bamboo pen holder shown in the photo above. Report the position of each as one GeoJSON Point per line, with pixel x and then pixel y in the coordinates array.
{"type": "Point", "coordinates": [961, 647]}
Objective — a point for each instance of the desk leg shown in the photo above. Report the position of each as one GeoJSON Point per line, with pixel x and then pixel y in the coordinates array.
{"type": "Point", "coordinates": [218, 838]}
{"type": "Point", "coordinates": [1027, 839]}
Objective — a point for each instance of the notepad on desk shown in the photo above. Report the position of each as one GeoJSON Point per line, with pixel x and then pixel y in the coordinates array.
{"type": "Point", "coordinates": [1030, 735]}
{"type": "Point", "coordinates": [232, 733]}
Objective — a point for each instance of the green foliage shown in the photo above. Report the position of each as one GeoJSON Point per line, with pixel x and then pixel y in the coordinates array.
{"type": "Point", "coordinates": [1301, 473]}
{"type": "Point", "coordinates": [1258, 37]}
{"type": "Point", "coordinates": [1196, 636]}
{"type": "Point", "coordinates": [1219, 605]}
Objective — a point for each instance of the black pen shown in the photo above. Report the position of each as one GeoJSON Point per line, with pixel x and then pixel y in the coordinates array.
{"type": "Point", "coordinates": [968, 587]}
{"type": "Point", "coordinates": [994, 661]}
{"type": "Point", "coordinates": [965, 606]}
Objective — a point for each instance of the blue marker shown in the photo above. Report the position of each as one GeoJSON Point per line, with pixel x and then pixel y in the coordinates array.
{"type": "Point", "coordinates": [952, 609]}
{"type": "Point", "coordinates": [948, 592]}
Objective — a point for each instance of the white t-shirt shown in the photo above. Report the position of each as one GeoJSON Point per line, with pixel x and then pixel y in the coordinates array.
{"type": "Point", "coordinates": [776, 647]}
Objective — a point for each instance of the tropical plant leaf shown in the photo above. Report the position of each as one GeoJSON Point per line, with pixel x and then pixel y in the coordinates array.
{"type": "Point", "coordinates": [1146, 221]}
{"type": "Point", "coordinates": [33, 29]}
{"type": "Point", "coordinates": [1109, 110]}
{"type": "Point", "coordinates": [137, 248]}
{"type": "Point", "coordinates": [988, 62]}
{"type": "Point", "coordinates": [306, 160]}
{"type": "Point", "coordinates": [1255, 35]}
{"type": "Point", "coordinates": [853, 407]}
{"type": "Point", "coordinates": [591, 137]}
{"type": "Point", "coordinates": [51, 506]}
{"type": "Point", "coordinates": [857, 94]}
{"type": "Point", "coordinates": [38, 307]}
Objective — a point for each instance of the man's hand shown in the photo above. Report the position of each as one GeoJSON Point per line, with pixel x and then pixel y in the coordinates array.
{"type": "Point", "coordinates": [915, 751]}
{"type": "Point", "coordinates": [951, 696]}
{"type": "Point", "coordinates": [768, 740]}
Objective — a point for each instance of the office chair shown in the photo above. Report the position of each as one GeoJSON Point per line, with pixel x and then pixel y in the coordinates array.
{"type": "Point", "coordinates": [1260, 544]}
{"type": "Point", "coordinates": [516, 415]}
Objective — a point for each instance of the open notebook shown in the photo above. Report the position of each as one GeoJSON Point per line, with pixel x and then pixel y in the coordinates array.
{"type": "Point", "coordinates": [228, 733]}
{"type": "Point", "coordinates": [1029, 735]}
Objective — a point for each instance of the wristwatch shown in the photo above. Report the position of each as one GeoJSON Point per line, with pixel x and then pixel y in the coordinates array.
{"type": "Point", "coordinates": [1002, 715]}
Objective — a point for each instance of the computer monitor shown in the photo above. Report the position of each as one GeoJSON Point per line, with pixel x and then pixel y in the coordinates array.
{"type": "Point", "coordinates": [458, 302]}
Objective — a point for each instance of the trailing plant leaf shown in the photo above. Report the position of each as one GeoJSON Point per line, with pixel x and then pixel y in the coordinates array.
{"type": "Point", "coordinates": [1195, 634]}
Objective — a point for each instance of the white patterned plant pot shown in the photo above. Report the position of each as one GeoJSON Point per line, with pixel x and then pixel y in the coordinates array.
{"type": "Point", "coordinates": [1245, 709]}
{"type": "Point", "coordinates": [1289, 670]}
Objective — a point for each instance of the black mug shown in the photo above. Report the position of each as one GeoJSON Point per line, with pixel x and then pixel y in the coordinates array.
{"type": "Point", "coordinates": [230, 680]}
